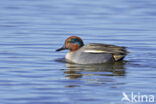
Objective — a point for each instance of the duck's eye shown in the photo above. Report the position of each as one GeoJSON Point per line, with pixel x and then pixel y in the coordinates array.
{"type": "Point", "coordinates": [75, 40]}
{"type": "Point", "coordinates": [72, 40]}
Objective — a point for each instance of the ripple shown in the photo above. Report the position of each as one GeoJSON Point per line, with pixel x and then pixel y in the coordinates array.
{"type": "Point", "coordinates": [32, 72]}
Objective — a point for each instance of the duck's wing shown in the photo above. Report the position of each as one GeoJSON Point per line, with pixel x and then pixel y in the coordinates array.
{"type": "Point", "coordinates": [118, 52]}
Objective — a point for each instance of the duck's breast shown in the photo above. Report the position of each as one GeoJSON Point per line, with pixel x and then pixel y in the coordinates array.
{"type": "Point", "coordinates": [90, 57]}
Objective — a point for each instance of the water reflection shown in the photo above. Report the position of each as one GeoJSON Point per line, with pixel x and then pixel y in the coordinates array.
{"type": "Point", "coordinates": [74, 71]}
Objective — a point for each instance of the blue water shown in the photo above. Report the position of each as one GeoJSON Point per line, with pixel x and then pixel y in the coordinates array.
{"type": "Point", "coordinates": [31, 31]}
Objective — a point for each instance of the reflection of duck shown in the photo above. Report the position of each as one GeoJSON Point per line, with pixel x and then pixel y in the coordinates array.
{"type": "Point", "coordinates": [94, 73]}
{"type": "Point", "coordinates": [109, 69]}
{"type": "Point", "coordinates": [92, 53]}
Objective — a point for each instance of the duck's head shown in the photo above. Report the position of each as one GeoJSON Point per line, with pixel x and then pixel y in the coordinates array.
{"type": "Point", "coordinates": [72, 43]}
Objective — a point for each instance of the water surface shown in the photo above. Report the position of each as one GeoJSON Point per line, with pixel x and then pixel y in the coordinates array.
{"type": "Point", "coordinates": [31, 31]}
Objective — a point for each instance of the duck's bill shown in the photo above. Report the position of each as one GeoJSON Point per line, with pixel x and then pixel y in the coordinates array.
{"type": "Point", "coordinates": [60, 49]}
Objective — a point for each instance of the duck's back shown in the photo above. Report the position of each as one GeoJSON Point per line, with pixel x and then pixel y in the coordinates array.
{"type": "Point", "coordinates": [118, 52]}
{"type": "Point", "coordinates": [98, 53]}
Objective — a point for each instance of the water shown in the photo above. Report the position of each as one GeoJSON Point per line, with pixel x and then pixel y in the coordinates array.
{"type": "Point", "coordinates": [30, 31]}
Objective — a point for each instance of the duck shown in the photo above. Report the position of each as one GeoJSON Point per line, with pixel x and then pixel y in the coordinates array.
{"type": "Point", "coordinates": [93, 53]}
